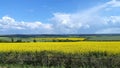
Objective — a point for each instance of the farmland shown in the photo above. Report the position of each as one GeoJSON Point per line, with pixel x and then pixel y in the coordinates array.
{"type": "Point", "coordinates": [59, 38]}
{"type": "Point", "coordinates": [66, 54]}
{"type": "Point", "coordinates": [65, 47]}
{"type": "Point", "coordinates": [99, 51]}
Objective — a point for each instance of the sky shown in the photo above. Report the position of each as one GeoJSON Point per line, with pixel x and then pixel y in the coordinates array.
{"type": "Point", "coordinates": [59, 16]}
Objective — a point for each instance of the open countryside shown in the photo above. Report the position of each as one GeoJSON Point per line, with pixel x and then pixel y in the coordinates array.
{"type": "Point", "coordinates": [60, 51]}
{"type": "Point", "coordinates": [59, 33]}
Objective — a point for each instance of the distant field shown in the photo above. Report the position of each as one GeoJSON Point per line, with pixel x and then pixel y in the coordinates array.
{"type": "Point", "coordinates": [58, 38]}
{"type": "Point", "coordinates": [104, 38]}
{"type": "Point", "coordinates": [39, 39]}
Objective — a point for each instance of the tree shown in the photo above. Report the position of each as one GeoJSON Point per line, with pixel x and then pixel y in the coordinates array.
{"type": "Point", "coordinates": [34, 40]}
{"type": "Point", "coordinates": [12, 39]}
{"type": "Point", "coordinates": [19, 40]}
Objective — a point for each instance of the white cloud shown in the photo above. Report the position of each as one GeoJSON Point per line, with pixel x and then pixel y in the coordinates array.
{"type": "Point", "coordinates": [115, 3]}
{"type": "Point", "coordinates": [109, 31]}
{"type": "Point", "coordinates": [113, 19]}
{"type": "Point", "coordinates": [87, 21]}
{"type": "Point", "coordinates": [9, 24]}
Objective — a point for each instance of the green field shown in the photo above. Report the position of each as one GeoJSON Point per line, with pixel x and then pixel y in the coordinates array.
{"type": "Point", "coordinates": [59, 38]}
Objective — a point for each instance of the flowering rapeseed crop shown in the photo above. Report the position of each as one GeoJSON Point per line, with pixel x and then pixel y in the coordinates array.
{"type": "Point", "coordinates": [66, 47]}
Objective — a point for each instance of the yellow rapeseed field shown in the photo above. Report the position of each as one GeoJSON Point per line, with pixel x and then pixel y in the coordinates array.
{"type": "Point", "coordinates": [81, 39]}
{"type": "Point", "coordinates": [66, 47]}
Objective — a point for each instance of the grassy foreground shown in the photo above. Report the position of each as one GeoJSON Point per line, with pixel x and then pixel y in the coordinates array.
{"type": "Point", "coordinates": [61, 54]}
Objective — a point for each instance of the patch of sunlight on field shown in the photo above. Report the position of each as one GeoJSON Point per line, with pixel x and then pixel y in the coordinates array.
{"type": "Point", "coordinates": [66, 47]}
{"type": "Point", "coordinates": [81, 39]}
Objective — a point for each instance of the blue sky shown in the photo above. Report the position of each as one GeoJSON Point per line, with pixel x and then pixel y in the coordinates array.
{"type": "Point", "coordinates": [59, 16]}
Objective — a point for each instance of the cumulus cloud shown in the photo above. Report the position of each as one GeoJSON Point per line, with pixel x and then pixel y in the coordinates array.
{"type": "Point", "coordinates": [10, 25]}
{"type": "Point", "coordinates": [113, 19]}
{"type": "Point", "coordinates": [88, 21]}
